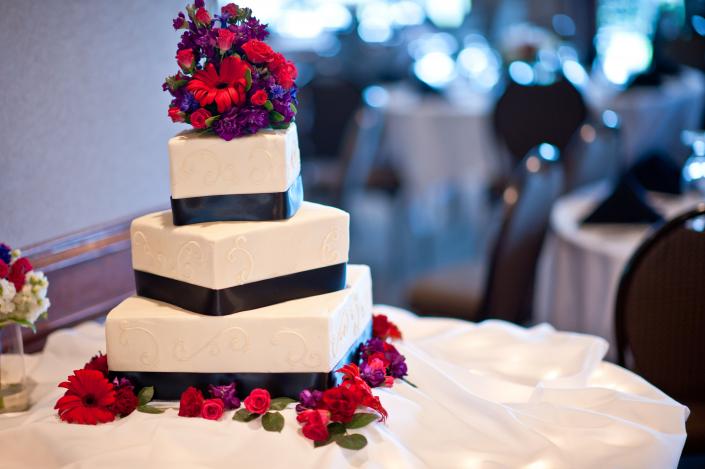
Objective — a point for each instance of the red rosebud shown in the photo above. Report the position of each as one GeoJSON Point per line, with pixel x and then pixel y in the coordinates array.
{"type": "Point", "coordinates": [203, 17]}
{"type": "Point", "coordinates": [18, 271]}
{"type": "Point", "coordinates": [230, 9]}
{"type": "Point", "coordinates": [341, 401]}
{"type": "Point", "coordinates": [212, 409]}
{"type": "Point", "coordinates": [259, 98]}
{"type": "Point", "coordinates": [315, 424]}
{"type": "Point", "coordinates": [383, 329]}
{"type": "Point", "coordinates": [284, 71]}
{"type": "Point", "coordinates": [198, 118]}
{"type": "Point", "coordinates": [258, 52]}
{"type": "Point", "coordinates": [258, 401]}
{"type": "Point", "coordinates": [185, 59]}
{"type": "Point", "coordinates": [176, 114]}
{"type": "Point", "coordinates": [4, 269]}
{"type": "Point", "coordinates": [225, 39]}
{"type": "Point", "coordinates": [125, 402]}
{"type": "Point", "coordinates": [388, 381]}
{"type": "Point", "coordinates": [191, 403]}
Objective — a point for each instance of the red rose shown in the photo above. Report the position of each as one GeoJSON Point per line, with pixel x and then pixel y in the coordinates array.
{"type": "Point", "coordinates": [18, 271]}
{"type": "Point", "coordinates": [191, 403]}
{"type": "Point", "coordinates": [259, 98]}
{"type": "Point", "coordinates": [198, 118]}
{"type": "Point", "coordinates": [315, 424]}
{"type": "Point", "coordinates": [185, 59]}
{"type": "Point", "coordinates": [225, 39]}
{"type": "Point", "coordinates": [203, 17]}
{"type": "Point", "coordinates": [230, 9]}
{"type": "Point", "coordinates": [125, 402]}
{"type": "Point", "coordinates": [176, 114]}
{"type": "Point", "coordinates": [4, 269]}
{"type": "Point", "coordinates": [212, 409]}
{"type": "Point", "coordinates": [258, 401]}
{"type": "Point", "coordinates": [99, 363]}
{"type": "Point", "coordinates": [382, 328]}
{"type": "Point", "coordinates": [258, 52]}
{"type": "Point", "coordinates": [284, 71]}
{"type": "Point", "coordinates": [342, 402]}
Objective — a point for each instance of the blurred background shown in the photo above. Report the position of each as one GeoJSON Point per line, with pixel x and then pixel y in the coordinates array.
{"type": "Point", "coordinates": [424, 119]}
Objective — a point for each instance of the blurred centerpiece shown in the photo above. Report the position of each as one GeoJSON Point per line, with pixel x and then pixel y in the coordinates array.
{"type": "Point", "coordinates": [23, 300]}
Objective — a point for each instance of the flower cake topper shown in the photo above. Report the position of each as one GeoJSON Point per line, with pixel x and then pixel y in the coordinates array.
{"type": "Point", "coordinates": [230, 82]}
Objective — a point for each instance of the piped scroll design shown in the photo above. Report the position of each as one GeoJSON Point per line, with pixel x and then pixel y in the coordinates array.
{"type": "Point", "coordinates": [153, 257]}
{"type": "Point", "coordinates": [261, 164]}
{"type": "Point", "coordinates": [329, 247]}
{"type": "Point", "coordinates": [147, 357]}
{"type": "Point", "coordinates": [233, 338]}
{"type": "Point", "coordinates": [204, 163]}
{"type": "Point", "coordinates": [189, 259]}
{"type": "Point", "coordinates": [297, 348]}
{"type": "Point", "coordinates": [242, 259]}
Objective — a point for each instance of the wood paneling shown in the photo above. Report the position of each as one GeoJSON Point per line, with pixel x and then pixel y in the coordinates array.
{"type": "Point", "coordinates": [89, 273]}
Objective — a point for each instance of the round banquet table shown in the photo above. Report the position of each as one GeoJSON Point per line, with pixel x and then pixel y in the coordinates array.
{"type": "Point", "coordinates": [580, 265]}
{"type": "Point", "coordinates": [489, 395]}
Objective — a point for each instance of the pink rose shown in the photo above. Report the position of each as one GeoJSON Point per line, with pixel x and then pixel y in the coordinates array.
{"type": "Point", "coordinates": [225, 39]}
{"type": "Point", "coordinates": [230, 9]}
{"type": "Point", "coordinates": [176, 114]}
{"type": "Point", "coordinates": [212, 409]}
{"type": "Point", "coordinates": [198, 118]}
{"type": "Point", "coordinates": [18, 272]}
{"type": "Point", "coordinates": [259, 98]}
{"type": "Point", "coordinates": [258, 401]}
{"type": "Point", "coordinates": [258, 52]}
{"type": "Point", "coordinates": [203, 17]}
{"type": "Point", "coordinates": [185, 59]}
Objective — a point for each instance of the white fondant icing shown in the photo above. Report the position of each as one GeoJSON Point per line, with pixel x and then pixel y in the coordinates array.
{"type": "Point", "coordinates": [266, 162]}
{"type": "Point", "coordinates": [226, 254]}
{"type": "Point", "coordinates": [306, 335]}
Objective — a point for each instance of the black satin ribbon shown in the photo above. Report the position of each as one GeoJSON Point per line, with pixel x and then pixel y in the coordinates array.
{"type": "Point", "coordinates": [232, 300]}
{"type": "Point", "coordinates": [168, 386]}
{"type": "Point", "coordinates": [239, 207]}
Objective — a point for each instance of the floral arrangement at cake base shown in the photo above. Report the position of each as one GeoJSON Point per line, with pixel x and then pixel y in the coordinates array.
{"type": "Point", "coordinates": [23, 301]}
{"type": "Point", "coordinates": [325, 416]}
{"type": "Point", "coordinates": [230, 82]}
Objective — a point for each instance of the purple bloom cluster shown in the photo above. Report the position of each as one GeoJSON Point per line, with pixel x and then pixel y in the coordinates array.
{"type": "Point", "coordinates": [308, 399]}
{"type": "Point", "coordinates": [395, 361]}
{"type": "Point", "coordinates": [373, 376]}
{"type": "Point", "coordinates": [239, 122]}
{"type": "Point", "coordinates": [5, 253]}
{"type": "Point", "coordinates": [119, 383]}
{"type": "Point", "coordinates": [227, 393]}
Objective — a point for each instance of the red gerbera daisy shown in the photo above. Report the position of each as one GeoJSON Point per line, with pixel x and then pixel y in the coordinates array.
{"type": "Point", "coordinates": [226, 89]}
{"type": "Point", "coordinates": [88, 396]}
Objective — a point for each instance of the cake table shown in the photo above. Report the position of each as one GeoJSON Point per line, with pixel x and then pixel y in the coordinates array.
{"type": "Point", "coordinates": [488, 395]}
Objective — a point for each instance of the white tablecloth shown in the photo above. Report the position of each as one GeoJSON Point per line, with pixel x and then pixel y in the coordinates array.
{"type": "Point", "coordinates": [580, 265]}
{"type": "Point", "coordinates": [491, 395]}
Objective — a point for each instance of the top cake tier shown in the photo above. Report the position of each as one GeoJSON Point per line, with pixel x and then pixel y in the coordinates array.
{"type": "Point", "coordinates": [265, 163]}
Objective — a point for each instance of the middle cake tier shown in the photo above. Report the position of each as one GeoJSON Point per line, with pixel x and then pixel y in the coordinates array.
{"type": "Point", "coordinates": [225, 267]}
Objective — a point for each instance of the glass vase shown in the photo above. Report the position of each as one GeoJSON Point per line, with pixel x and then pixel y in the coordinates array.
{"type": "Point", "coordinates": [14, 396]}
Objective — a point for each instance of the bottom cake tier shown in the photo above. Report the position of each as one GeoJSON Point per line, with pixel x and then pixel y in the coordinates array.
{"type": "Point", "coordinates": [283, 348]}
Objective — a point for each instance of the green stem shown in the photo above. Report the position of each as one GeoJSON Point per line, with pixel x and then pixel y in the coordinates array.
{"type": "Point", "coordinates": [409, 383]}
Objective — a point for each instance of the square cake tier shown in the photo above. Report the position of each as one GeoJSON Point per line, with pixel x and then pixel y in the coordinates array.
{"type": "Point", "coordinates": [222, 268]}
{"type": "Point", "coordinates": [207, 165]}
{"type": "Point", "coordinates": [284, 347]}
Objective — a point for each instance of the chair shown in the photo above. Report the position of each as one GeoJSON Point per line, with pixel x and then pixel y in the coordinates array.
{"type": "Point", "coordinates": [508, 285]}
{"type": "Point", "coordinates": [527, 115]}
{"type": "Point", "coordinates": [660, 316]}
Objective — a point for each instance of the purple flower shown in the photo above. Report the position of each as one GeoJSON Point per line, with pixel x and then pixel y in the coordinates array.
{"type": "Point", "coordinates": [199, 3]}
{"type": "Point", "coordinates": [5, 255]}
{"type": "Point", "coordinates": [373, 345]}
{"type": "Point", "coordinates": [308, 399]}
{"type": "Point", "coordinates": [255, 29]}
{"type": "Point", "coordinates": [187, 102]}
{"type": "Point", "coordinates": [397, 366]}
{"type": "Point", "coordinates": [374, 376]}
{"type": "Point", "coordinates": [277, 92]}
{"type": "Point", "coordinates": [227, 393]}
{"type": "Point", "coordinates": [122, 383]}
{"type": "Point", "coordinates": [179, 21]}
{"type": "Point", "coordinates": [238, 122]}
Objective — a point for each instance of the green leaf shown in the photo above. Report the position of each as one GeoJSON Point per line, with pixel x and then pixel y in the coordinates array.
{"type": "Point", "coordinates": [268, 105]}
{"type": "Point", "coordinates": [244, 415]}
{"type": "Point", "coordinates": [318, 444]}
{"type": "Point", "coordinates": [280, 403]}
{"type": "Point", "coordinates": [335, 428]}
{"type": "Point", "coordinates": [360, 420]}
{"type": "Point", "coordinates": [210, 120]}
{"type": "Point", "coordinates": [274, 116]}
{"type": "Point", "coordinates": [354, 441]}
{"type": "Point", "coordinates": [150, 409]}
{"type": "Point", "coordinates": [293, 108]}
{"type": "Point", "coordinates": [248, 78]}
{"type": "Point", "coordinates": [273, 421]}
{"type": "Point", "coordinates": [145, 395]}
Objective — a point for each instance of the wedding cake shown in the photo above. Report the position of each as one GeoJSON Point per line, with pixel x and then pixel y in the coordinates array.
{"type": "Point", "coordinates": [241, 281]}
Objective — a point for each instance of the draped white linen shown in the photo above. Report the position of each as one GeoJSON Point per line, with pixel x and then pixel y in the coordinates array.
{"type": "Point", "coordinates": [490, 395]}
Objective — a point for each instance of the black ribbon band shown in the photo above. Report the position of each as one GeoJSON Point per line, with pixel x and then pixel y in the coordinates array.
{"type": "Point", "coordinates": [168, 386]}
{"type": "Point", "coordinates": [242, 297]}
{"type": "Point", "coordinates": [239, 207]}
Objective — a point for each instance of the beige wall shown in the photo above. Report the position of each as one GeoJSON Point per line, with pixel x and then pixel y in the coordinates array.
{"type": "Point", "coordinates": [83, 124]}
